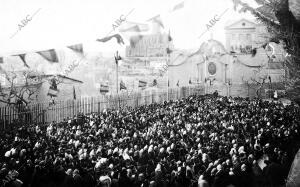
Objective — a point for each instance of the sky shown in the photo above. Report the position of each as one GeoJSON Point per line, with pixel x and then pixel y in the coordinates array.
{"type": "Point", "coordinates": [59, 23]}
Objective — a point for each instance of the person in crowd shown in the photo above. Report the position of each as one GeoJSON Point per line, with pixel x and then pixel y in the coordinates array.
{"type": "Point", "coordinates": [199, 141]}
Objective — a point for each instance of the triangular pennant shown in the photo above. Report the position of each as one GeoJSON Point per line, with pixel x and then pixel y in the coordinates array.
{"type": "Point", "coordinates": [77, 48]}
{"type": "Point", "coordinates": [49, 55]}
{"type": "Point", "coordinates": [157, 19]}
{"type": "Point", "coordinates": [117, 36]}
{"type": "Point", "coordinates": [22, 56]}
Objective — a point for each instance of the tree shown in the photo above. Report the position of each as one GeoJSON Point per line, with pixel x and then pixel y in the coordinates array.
{"type": "Point", "coordinates": [19, 88]}
{"type": "Point", "coordinates": [283, 26]}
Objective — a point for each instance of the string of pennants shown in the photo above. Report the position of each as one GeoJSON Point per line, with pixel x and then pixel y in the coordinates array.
{"type": "Point", "coordinates": [104, 88]}
{"type": "Point", "coordinates": [51, 56]}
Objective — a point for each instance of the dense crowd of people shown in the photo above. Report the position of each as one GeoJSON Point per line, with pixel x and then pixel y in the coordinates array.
{"type": "Point", "coordinates": [205, 141]}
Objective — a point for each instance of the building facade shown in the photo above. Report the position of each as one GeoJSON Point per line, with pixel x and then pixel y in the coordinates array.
{"type": "Point", "coordinates": [233, 69]}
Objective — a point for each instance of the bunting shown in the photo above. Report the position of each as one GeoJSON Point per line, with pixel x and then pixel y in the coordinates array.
{"type": "Point", "coordinates": [122, 86]}
{"type": "Point", "coordinates": [22, 56]}
{"type": "Point", "coordinates": [49, 55]}
{"type": "Point", "coordinates": [157, 19]}
{"type": "Point", "coordinates": [77, 48]}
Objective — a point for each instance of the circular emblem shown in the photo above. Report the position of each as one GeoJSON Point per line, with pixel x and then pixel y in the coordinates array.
{"type": "Point", "coordinates": [212, 68]}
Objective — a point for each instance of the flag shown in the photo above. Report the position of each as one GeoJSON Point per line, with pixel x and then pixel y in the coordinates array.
{"type": "Point", "coordinates": [122, 86]}
{"type": "Point", "coordinates": [104, 88]}
{"type": "Point", "coordinates": [49, 55]}
{"type": "Point", "coordinates": [74, 93]}
{"type": "Point", "coordinates": [177, 83]}
{"type": "Point", "coordinates": [178, 6]}
{"type": "Point", "coordinates": [77, 48]}
{"type": "Point", "coordinates": [117, 36]}
{"type": "Point", "coordinates": [142, 84]}
{"type": "Point", "coordinates": [157, 19]}
{"type": "Point", "coordinates": [22, 56]}
{"type": "Point", "coordinates": [190, 81]}
{"type": "Point", "coordinates": [1, 60]}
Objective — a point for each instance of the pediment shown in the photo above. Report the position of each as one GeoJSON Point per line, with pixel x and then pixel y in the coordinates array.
{"type": "Point", "coordinates": [241, 24]}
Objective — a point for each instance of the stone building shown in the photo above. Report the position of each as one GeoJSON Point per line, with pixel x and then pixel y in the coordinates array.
{"type": "Point", "coordinates": [233, 69]}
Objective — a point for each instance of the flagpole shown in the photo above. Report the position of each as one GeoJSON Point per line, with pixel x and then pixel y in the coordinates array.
{"type": "Point", "coordinates": [168, 62]}
{"type": "Point", "coordinates": [116, 60]}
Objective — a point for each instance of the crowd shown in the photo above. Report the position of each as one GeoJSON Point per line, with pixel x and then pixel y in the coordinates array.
{"type": "Point", "coordinates": [201, 141]}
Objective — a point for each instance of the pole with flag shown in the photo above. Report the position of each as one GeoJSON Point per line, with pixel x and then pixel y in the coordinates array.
{"type": "Point", "coordinates": [117, 58]}
{"type": "Point", "coordinates": [168, 61]}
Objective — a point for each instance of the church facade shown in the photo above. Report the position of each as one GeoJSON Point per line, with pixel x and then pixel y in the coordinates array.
{"type": "Point", "coordinates": [233, 69]}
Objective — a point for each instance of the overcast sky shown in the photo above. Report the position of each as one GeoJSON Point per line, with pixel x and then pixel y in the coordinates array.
{"type": "Point", "coordinates": [60, 23]}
